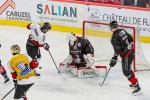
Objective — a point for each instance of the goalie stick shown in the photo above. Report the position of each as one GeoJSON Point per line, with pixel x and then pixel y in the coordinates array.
{"type": "Point", "coordinates": [105, 77]}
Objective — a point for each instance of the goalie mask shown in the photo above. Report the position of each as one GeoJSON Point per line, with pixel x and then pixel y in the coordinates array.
{"type": "Point", "coordinates": [71, 38]}
{"type": "Point", "coordinates": [113, 24]}
{"type": "Point", "coordinates": [45, 27]}
{"type": "Point", "coordinates": [15, 49]}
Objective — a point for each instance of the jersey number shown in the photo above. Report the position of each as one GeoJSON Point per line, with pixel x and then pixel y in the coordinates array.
{"type": "Point", "coordinates": [23, 69]}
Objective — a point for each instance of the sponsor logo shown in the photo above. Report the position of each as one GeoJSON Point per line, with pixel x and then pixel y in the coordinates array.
{"type": "Point", "coordinates": [94, 14]}
{"type": "Point", "coordinates": [6, 4]}
{"type": "Point", "coordinates": [26, 71]}
{"type": "Point", "coordinates": [18, 15]}
{"type": "Point", "coordinates": [88, 72]}
{"type": "Point", "coordinates": [57, 13]}
{"type": "Point", "coordinates": [11, 14]}
{"type": "Point", "coordinates": [58, 10]}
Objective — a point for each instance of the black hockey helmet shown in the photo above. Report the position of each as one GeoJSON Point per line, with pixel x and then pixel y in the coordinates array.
{"type": "Point", "coordinates": [45, 27]}
{"type": "Point", "coordinates": [113, 24]}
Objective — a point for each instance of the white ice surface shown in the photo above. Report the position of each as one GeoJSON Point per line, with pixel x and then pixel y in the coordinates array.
{"type": "Point", "coordinates": [50, 86]}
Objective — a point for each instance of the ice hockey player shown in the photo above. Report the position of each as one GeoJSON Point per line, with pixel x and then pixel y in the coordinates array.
{"type": "Point", "coordinates": [37, 39]}
{"type": "Point", "coordinates": [3, 72]}
{"type": "Point", "coordinates": [81, 52]}
{"type": "Point", "coordinates": [22, 72]}
{"type": "Point", "coordinates": [122, 43]}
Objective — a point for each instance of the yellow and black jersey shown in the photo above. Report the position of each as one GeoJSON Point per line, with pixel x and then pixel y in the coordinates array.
{"type": "Point", "coordinates": [21, 65]}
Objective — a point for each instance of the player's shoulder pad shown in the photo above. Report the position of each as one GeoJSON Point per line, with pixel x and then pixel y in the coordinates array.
{"type": "Point", "coordinates": [34, 25]}
{"type": "Point", "coordinates": [121, 32]}
{"type": "Point", "coordinates": [83, 40]}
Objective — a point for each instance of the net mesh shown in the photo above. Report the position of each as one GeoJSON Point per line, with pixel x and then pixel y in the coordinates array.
{"type": "Point", "coordinates": [99, 35]}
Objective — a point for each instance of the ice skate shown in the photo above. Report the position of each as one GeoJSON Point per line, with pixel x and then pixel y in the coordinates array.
{"type": "Point", "coordinates": [136, 89]}
{"type": "Point", "coordinates": [6, 80]}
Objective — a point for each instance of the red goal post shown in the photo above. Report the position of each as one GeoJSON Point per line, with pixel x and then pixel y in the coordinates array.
{"type": "Point", "coordinates": [99, 34]}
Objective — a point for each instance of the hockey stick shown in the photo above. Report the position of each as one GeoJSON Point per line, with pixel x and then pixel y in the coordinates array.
{"type": "Point", "coordinates": [105, 77]}
{"type": "Point", "coordinates": [56, 65]}
{"type": "Point", "coordinates": [8, 93]}
{"type": "Point", "coordinates": [54, 62]}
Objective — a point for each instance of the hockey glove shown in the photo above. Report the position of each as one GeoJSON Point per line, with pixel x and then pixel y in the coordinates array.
{"type": "Point", "coordinates": [113, 62]}
{"type": "Point", "coordinates": [46, 46]}
{"type": "Point", "coordinates": [34, 64]}
{"type": "Point", "coordinates": [15, 82]}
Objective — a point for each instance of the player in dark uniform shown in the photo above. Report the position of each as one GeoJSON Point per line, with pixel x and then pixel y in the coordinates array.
{"type": "Point", "coordinates": [81, 52]}
{"type": "Point", "coordinates": [122, 43]}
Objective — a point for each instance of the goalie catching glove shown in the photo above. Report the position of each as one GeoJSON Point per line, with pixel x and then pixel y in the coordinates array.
{"type": "Point", "coordinates": [89, 59]}
{"type": "Point", "coordinates": [46, 46]}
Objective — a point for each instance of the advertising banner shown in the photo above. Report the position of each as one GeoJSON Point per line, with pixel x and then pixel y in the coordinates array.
{"type": "Point", "coordinates": [72, 14]}
{"type": "Point", "coordinates": [127, 17]}
{"type": "Point", "coordinates": [61, 13]}
{"type": "Point", "coordinates": [16, 10]}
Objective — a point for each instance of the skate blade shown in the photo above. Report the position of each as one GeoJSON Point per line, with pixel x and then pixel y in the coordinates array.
{"type": "Point", "coordinates": [137, 93]}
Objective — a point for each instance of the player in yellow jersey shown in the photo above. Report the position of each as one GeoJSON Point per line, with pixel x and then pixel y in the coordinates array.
{"type": "Point", "coordinates": [22, 71]}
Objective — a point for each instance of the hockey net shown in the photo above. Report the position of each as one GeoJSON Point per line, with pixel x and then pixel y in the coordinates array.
{"type": "Point", "coordinates": [99, 35]}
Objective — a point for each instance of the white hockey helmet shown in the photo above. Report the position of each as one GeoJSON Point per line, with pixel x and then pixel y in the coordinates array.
{"type": "Point", "coordinates": [71, 38]}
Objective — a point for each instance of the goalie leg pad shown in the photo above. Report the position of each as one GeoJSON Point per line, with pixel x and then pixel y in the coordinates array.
{"type": "Point", "coordinates": [84, 72]}
{"type": "Point", "coordinates": [89, 72]}
{"type": "Point", "coordinates": [64, 68]}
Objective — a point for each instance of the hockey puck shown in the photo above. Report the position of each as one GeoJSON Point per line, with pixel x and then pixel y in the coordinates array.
{"type": "Point", "coordinates": [40, 67]}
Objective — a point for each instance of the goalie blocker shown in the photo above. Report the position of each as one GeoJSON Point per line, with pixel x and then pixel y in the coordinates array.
{"type": "Point", "coordinates": [83, 72]}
